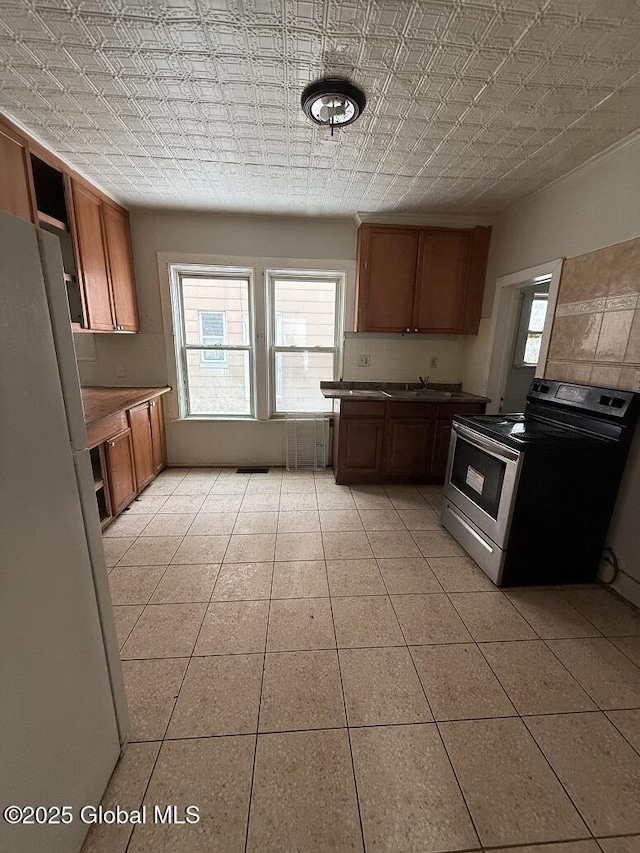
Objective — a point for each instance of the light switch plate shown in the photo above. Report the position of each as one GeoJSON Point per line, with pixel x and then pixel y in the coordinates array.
{"type": "Point", "coordinates": [364, 360]}
{"type": "Point", "coordinates": [433, 361]}
{"type": "Point", "coordinates": [120, 371]}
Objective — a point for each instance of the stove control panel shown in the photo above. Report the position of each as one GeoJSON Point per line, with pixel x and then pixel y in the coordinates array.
{"type": "Point", "coordinates": [586, 399]}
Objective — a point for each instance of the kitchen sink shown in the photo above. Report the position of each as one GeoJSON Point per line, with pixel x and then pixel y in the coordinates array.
{"type": "Point", "coordinates": [421, 394]}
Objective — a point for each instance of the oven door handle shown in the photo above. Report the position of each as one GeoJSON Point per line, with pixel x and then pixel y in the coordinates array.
{"type": "Point", "coordinates": [486, 443]}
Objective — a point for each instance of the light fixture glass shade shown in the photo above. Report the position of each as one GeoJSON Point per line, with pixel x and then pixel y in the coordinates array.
{"type": "Point", "coordinates": [333, 102]}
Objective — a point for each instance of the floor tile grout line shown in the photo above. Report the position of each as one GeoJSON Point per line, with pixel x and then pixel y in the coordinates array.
{"type": "Point", "coordinates": [561, 662]}
{"type": "Point", "coordinates": [255, 745]}
{"type": "Point", "coordinates": [433, 717]}
{"type": "Point", "coordinates": [499, 680]}
{"type": "Point", "coordinates": [619, 730]}
{"type": "Point", "coordinates": [346, 722]}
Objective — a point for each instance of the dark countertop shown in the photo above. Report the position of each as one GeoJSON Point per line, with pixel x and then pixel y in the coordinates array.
{"type": "Point", "coordinates": [406, 391]}
{"type": "Point", "coordinates": [100, 402]}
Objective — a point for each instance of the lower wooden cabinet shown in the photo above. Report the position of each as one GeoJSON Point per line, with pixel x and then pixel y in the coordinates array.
{"type": "Point", "coordinates": [120, 471]}
{"type": "Point", "coordinates": [128, 450]}
{"type": "Point", "coordinates": [158, 440]}
{"type": "Point", "coordinates": [408, 446]}
{"type": "Point", "coordinates": [361, 447]}
{"type": "Point", "coordinates": [394, 442]}
{"type": "Point", "coordinates": [140, 423]}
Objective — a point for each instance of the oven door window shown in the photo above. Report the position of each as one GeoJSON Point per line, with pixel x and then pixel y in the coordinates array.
{"type": "Point", "coordinates": [478, 475]}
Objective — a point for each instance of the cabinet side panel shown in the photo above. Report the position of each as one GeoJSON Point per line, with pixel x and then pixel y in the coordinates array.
{"type": "Point", "coordinates": [15, 195]}
{"type": "Point", "coordinates": [158, 438]}
{"type": "Point", "coordinates": [476, 277]}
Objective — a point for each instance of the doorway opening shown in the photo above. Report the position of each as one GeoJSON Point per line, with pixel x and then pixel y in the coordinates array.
{"type": "Point", "coordinates": [522, 318]}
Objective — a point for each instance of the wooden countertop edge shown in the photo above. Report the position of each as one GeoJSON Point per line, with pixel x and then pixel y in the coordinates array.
{"type": "Point", "coordinates": [115, 399]}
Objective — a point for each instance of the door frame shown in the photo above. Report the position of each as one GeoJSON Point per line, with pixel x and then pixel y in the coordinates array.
{"type": "Point", "coordinates": [504, 316]}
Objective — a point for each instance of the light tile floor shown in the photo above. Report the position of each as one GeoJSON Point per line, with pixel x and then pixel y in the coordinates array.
{"type": "Point", "coordinates": [321, 668]}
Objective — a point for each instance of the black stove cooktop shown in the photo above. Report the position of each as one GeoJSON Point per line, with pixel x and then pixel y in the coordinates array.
{"type": "Point", "coordinates": [518, 430]}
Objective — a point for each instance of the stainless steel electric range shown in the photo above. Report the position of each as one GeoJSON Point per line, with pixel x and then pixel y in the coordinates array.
{"type": "Point", "coordinates": [529, 496]}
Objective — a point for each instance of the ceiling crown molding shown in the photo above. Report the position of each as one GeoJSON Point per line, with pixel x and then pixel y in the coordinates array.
{"type": "Point", "coordinates": [438, 220]}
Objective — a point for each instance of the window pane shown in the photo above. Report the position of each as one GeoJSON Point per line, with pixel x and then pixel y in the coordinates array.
{"type": "Point", "coordinates": [538, 313]}
{"type": "Point", "coordinates": [305, 313]}
{"type": "Point", "coordinates": [212, 333]}
{"type": "Point", "coordinates": [216, 310]}
{"type": "Point", "coordinates": [219, 389]}
{"type": "Point", "coordinates": [532, 348]}
{"type": "Point", "coordinates": [297, 380]}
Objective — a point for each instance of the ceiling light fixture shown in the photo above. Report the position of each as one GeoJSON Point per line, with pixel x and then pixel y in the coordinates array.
{"type": "Point", "coordinates": [333, 102]}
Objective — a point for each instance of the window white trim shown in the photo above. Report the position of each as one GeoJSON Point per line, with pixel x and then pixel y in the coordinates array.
{"type": "Point", "coordinates": [257, 264]}
{"type": "Point", "coordinates": [271, 275]}
{"type": "Point", "coordinates": [181, 347]}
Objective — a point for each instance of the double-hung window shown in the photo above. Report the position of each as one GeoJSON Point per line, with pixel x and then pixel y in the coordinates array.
{"type": "Point", "coordinates": [237, 357]}
{"type": "Point", "coordinates": [212, 311]}
{"type": "Point", "coordinates": [305, 335]}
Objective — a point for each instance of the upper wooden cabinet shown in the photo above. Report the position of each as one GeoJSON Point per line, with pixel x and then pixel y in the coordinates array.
{"type": "Point", "coordinates": [93, 230]}
{"type": "Point", "coordinates": [105, 266]}
{"type": "Point", "coordinates": [120, 260]}
{"type": "Point", "coordinates": [92, 259]}
{"type": "Point", "coordinates": [428, 280]}
{"type": "Point", "coordinates": [15, 175]}
{"type": "Point", "coordinates": [386, 278]}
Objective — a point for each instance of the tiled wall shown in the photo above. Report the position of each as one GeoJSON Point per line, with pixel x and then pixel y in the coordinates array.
{"type": "Point", "coordinates": [402, 358]}
{"type": "Point", "coordinates": [596, 329]}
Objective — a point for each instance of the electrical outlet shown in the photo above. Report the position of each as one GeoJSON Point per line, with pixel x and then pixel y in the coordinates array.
{"type": "Point", "coordinates": [364, 361]}
{"type": "Point", "coordinates": [433, 361]}
{"type": "Point", "coordinates": [637, 381]}
{"type": "Point", "coordinates": [120, 371]}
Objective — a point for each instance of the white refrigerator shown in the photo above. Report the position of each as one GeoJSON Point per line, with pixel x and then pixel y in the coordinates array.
{"type": "Point", "coordinates": [63, 716]}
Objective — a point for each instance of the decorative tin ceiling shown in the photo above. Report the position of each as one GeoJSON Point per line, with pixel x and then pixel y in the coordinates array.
{"type": "Point", "coordinates": [195, 103]}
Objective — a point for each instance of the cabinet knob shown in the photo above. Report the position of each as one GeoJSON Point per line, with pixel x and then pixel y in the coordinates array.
{"type": "Point", "coordinates": [152, 402]}
{"type": "Point", "coordinates": [111, 443]}
{"type": "Point", "coordinates": [408, 330]}
{"type": "Point", "coordinates": [415, 330]}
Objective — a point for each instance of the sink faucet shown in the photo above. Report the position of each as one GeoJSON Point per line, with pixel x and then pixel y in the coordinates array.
{"type": "Point", "coordinates": [424, 381]}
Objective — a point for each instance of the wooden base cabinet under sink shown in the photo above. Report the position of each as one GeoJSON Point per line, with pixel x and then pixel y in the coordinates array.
{"type": "Point", "coordinates": [394, 441]}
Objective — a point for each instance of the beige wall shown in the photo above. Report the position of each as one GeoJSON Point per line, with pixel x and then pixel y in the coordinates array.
{"type": "Point", "coordinates": [144, 356]}
{"type": "Point", "coordinates": [400, 358]}
{"type": "Point", "coordinates": [593, 208]}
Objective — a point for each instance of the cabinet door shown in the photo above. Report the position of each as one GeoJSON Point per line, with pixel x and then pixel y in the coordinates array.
{"type": "Point", "coordinates": [360, 446]}
{"type": "Point", "coordinates": [120, 471]}
{"type": "Point", "coordinates": [441, 447]}
{"type": "Point", "coordinates": [440, 289]}
{"type": "Point", "coordinates": [386, 278]}
{"type": "Point", "coordinates": [92, 257]}
{"type": "Point", "coordinates": [15, 183]}
{"type": "Point", "coordinates": [158, 440]}
{"type": "Point", "coordinates": [408, 446]}
{"type": "Point", "coordinates": [123, 287]}
{"type": "Point", "coordinates": [140, 423]}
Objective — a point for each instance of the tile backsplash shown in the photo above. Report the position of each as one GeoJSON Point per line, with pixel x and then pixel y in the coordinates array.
{"type": "Point", "coordinates": [596, 329]}
{"type": "Point", "coordinates": [402, 358]}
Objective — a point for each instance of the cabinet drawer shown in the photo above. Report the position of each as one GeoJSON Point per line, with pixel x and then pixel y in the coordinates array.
{"type": "Point", "coordinates": [359, 408]}
{"type": "Point", "coordinates": [106, 428]}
